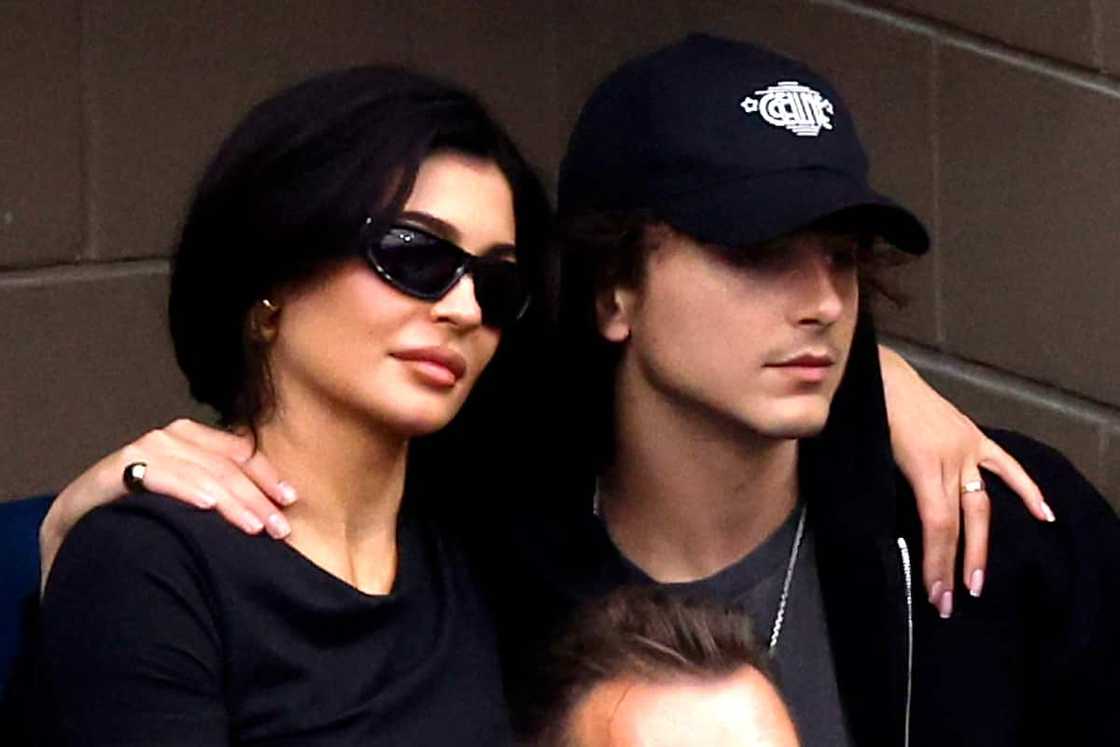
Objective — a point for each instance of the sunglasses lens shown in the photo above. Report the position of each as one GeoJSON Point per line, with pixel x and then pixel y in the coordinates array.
{"type": "Point", "coordinates": [501, 292]}
{"type": "Point", "coordinates": [427, 267]}
{"type": "Point", "coordinates": [417, 263]}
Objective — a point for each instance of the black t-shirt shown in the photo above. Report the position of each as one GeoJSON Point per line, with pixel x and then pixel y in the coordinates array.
{"type": "Point", "coordinates": [166, 625]}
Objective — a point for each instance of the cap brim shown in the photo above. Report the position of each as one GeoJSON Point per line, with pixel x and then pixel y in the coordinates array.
{"type": "Point", "coordinates": [747, 211]}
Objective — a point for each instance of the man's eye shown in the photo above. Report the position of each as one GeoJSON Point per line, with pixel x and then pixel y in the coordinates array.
{"type": "Point", "coordinates": [848, 251]}
{"type": "Point", "coordinates": [847, 256]}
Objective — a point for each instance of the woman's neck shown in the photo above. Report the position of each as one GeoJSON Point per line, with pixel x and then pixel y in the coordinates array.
{"type": "Point", "coordinates": [350, 478]}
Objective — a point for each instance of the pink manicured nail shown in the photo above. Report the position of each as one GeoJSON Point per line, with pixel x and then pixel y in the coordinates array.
{"type": "Point", "coordinates": [205, 500]}
{"type": "Point", "coordinates": [288, 494]}
{"type": "Point", "coordinates": [945, 606]}
{"type": "Point", "coordinates": [935, 592]}
{"type": "Point", "coordinates": [278, 526]}
{"type": "Point", "coordinates": [1047, 512]}
{"type": "Point", "coordinates": [976, 582]}
{"type": "Point", "coordinates": [252, 523]}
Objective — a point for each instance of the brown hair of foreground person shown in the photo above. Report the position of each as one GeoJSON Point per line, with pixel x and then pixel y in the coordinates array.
{"type": "Point", "coordinates": [643, 667]}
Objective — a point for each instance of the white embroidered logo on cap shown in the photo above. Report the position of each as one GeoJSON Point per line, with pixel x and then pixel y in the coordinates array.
{"type": "Point", "coordinates": [789, 104]}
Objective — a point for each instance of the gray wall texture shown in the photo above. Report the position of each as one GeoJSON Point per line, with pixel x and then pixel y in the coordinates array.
{"type": "Point", "coordinates": [996, 121]}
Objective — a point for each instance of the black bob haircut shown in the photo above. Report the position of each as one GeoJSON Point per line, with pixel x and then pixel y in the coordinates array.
{"type": "Point", "coordinates": [288, 193]}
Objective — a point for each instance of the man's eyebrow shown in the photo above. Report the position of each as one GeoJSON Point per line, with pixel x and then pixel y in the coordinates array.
{"type": "Point", "coordinates": [445, 230]}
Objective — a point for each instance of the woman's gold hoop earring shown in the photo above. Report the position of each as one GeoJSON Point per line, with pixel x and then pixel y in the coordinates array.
{"type": "Point", "coordinates": [262, 324]}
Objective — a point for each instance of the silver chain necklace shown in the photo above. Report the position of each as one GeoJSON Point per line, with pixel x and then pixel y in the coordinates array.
{"type": "Point", "coordinates": [780, 616]}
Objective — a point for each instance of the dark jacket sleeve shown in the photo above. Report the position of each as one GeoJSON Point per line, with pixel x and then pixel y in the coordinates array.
{"type": "Point", "coordinates": [130, 651]}
{"type": "Point", "coordinates": [1035, 659]}
{"type": "Point", "coordinates": [1078, 598]}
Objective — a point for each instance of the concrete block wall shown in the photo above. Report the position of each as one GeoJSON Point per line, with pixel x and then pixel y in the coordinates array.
{"type": "Point", "coordinates": [994, 121]}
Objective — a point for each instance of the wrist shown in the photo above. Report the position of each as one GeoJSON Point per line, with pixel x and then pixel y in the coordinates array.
{"type": "Point", "coordinates": [50, 539]}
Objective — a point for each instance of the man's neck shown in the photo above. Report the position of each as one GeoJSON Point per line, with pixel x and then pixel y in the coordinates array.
{"type": "Point", "coordinates": [687, 496]}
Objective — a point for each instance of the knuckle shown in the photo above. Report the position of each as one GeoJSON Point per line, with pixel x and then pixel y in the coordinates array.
{"type": "Point", "coordinates": [241, 489]}
{"type": "Point", "coordinates": [226, 508]}
{"type": "Point", "coordinates": [180, 424]}
{"type": "Point", "coordinates": [134, 452]}
{"type": "Point", "coordinates": [216, 489]}
{"type": "Point", "coordinates": [258, 468]}
{"type": "Point", "coordinates": [158, 438]}
{"type": "Point", "coordinates": [149, 438]}
{"type": "Point", "coordinates": [941, 523]}
{"type": "Point", "coordinates": [978, 508]}
{"type": "Point", "coordinates": [935, 569]}
{"type": "Point", "coordinates": [240, 450]}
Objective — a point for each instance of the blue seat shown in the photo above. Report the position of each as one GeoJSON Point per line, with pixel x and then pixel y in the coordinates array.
{"type": "Point", "coordinates": [19, 575]}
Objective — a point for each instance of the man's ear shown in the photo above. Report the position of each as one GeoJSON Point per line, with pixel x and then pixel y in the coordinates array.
{"type": "Point", "coordinates": [617, 304]}
{"type": "Point", "coordinates": [614, 309]}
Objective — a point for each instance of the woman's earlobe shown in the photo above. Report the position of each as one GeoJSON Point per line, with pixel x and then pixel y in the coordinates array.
{"type": "Point", "coordinates": [263, 321]}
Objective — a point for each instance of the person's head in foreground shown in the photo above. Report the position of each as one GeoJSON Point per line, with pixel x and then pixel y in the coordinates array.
{"type": "Point", "coordinates": [718, 222]}
{"type": "Point", "coordinates": [645, 669]}
{"type": "Point", "coordinates": [353, 252]}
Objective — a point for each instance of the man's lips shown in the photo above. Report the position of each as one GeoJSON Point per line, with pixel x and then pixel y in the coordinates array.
{"type": "Point", "coordinates": [446, 358]}
{"type": "Point", "coordinates": [810, 368]}
{"type": "Point", "coordinates": [805, 360]}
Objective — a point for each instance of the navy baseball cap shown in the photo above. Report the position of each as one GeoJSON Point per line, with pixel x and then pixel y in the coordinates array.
{"type": "Point", "coordinates": [728, 142]}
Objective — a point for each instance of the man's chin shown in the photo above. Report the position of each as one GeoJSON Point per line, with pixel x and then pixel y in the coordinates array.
{"type": "Point", "coordinates": [806, 423]}
{"type": "Point", "coordinates": [796, 432]}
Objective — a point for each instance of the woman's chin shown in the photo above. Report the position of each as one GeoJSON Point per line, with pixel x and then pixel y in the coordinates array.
{"type": "Point", "coordinates": [419, 420]}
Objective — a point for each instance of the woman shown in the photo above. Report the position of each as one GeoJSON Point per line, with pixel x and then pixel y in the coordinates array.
{"type": "Point", "coordinates": [340, 394]}
{"type": "Point", "coordinates": [342, 278]}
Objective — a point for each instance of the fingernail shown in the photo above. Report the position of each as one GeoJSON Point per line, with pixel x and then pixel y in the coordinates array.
{"type": "Point", "coordinates": [945, 606]}
{"type": "Point", "coordinates": [935, 592]}
{"type": "Point", "coordinates": [976, 582]}
{"type": "Point", "coordinates": [288, 494]}
{"type": "Point", "coordinates": [1047, 512]}
{"type": "Point", "coordinates": [252, 523]}
{"type": "Point", "coordinates": [205, 500]}
{"type": "Point", "coordinates": [278, 526]}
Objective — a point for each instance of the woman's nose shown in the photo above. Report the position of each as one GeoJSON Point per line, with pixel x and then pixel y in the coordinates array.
{"type": "Point", "coordinates": [459, 305]}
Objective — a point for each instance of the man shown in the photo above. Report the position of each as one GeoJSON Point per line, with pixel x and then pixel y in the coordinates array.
{"type": "Point", "coordinates": [718, 219]}
{"type": "Point", "coordinates": [646, 668]}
